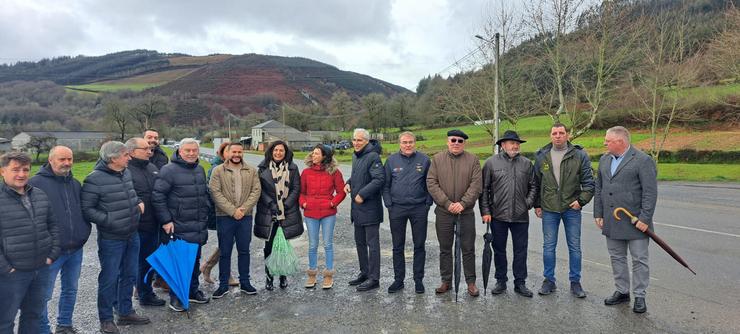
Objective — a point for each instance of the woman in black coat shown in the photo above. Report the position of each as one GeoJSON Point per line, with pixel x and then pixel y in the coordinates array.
{"type": "Point", "coordinates": [281, 187]}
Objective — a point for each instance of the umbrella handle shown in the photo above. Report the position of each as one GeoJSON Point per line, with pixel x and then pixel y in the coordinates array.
{"type": "Point", "coordinates": [632, 217]}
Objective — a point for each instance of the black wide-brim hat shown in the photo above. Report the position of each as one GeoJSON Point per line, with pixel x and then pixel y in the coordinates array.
{"type": "Point", "coordinates": [510, 135]}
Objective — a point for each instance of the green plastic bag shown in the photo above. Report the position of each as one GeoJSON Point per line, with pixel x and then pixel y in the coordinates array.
{"type": "Point", "coordinates": [283, 260]}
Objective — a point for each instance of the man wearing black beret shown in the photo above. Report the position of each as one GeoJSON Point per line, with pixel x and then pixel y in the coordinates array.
{"type": "Point", "coordinates": [454, 181]}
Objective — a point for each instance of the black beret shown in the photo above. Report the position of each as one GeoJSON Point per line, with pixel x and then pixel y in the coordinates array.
{"type": "Point", "coordinates": [457, 133]}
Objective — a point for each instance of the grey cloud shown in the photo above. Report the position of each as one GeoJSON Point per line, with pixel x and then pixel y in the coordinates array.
{"type": "Point", "coordinates": [331, 20]}
{"type": "Point", "coordinates": [29, 36]}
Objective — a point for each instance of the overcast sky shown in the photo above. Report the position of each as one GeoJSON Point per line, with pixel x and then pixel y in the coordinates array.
{"type": "Point", "coordinates": [399, 41]}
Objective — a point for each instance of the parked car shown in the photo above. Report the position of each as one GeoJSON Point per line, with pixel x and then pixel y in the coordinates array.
{"type": "Point", "coordinates": [307, 147]}
{"type": "Point", "coordinates": [342, 145]}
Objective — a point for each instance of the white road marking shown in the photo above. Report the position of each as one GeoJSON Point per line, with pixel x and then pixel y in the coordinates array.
{"type": "Point", "coordinates": [688, 228]}
{"type": "Point", "coordinates": [608, 266]}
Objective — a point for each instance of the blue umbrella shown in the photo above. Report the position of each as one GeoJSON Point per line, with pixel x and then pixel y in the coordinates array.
{"type": "Point", "coordinates": [174, 261]}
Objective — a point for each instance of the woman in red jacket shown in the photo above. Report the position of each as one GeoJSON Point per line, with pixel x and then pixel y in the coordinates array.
{"type": "Point", "coordinates": [321, 192]}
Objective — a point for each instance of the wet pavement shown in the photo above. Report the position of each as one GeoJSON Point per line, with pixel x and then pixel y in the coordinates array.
{"type": "Point", "coordinates": [678, 302]}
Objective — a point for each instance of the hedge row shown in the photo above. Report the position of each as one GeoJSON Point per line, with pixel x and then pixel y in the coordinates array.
{"type": "Point", "coordinates": [680, 156]}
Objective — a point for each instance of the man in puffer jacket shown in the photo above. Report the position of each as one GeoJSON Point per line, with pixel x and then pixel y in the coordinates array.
{"type": "Point", "coordinates": [365, 187]}
{"type": "Point", "coordinates": [181, 204]}
{"type": "Point", "coordinates": [109, 201]}
{"type": "Point", "coordinates": [143, 174]}
{"type": "Point", "coordinates": [56, 180]}
{"type": "Point", "coordinates": [29, 244]}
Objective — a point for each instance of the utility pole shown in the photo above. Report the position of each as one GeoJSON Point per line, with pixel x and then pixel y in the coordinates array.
{"type": "Point", "coordinates": [495, 42]}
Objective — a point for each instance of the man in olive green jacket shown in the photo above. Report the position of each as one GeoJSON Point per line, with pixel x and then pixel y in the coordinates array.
{"type": "Point", "coordinates": [566, 184]}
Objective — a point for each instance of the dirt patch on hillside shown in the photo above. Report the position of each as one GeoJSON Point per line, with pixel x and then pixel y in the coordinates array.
{"type": "Point", "coordinates": [202, 60]}
{"type": "Point", "coordinates": [716, 140]}
{"type": "Point", "coordinates": [153, 78]}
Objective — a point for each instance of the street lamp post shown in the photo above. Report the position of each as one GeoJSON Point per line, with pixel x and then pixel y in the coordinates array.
{"type": "Point", "coordinates": [495, 42]}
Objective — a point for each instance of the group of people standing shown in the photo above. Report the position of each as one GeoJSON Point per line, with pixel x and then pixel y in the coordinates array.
{"type": "Point", "coordinates": [558, 184]}
{"type": "Point", "coordinates": [138, 199]}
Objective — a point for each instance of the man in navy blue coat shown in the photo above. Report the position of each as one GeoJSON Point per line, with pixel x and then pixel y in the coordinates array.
{"type": "Point", "coordinates": [365, 187]}
{"type": "Point", "coordinates": [407, 199]}
{"type": "Point", "coordinates": [56, 180]}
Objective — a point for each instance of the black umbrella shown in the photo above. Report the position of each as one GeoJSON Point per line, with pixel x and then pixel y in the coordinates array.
{"type": "Point", "coordinates": [655, 238]}
{"type": "Point", "coordinates": [458, 255]}
{"type": "Point", "coordinates": [487, 255]}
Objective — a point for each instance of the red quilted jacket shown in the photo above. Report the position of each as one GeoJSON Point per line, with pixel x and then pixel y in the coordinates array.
{"type": "Point", "coordinates": [321, 192]}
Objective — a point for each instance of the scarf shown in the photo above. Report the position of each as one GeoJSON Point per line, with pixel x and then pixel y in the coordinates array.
{"type": "Point", "coordinates": [281, 177]}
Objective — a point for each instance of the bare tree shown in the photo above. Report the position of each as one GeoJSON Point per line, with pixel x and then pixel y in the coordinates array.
{"type": "Point", "coordinates": [724, 51]}
{"type": "Point", "coordinates": [552, 21]}
{"type": "Point", "coordinates": [341, 106]}
{"type": "Point", "coordinates": [41, 144]}
{"type": "Point", "coordinates": [665, 70]}
{"type": "Point", "coordinates": [117, 112]}
{"type": "Point", "coordinates": [148, 109]}
{"type": "Point", "coordinates": [603, 45]}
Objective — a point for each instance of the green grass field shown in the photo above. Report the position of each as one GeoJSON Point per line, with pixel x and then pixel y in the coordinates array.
{"type": "Point", "coordinates": [708, 93]}
{"type": "Point", "coordinates": [666, 172]}
{"type": "Point", "coordinates": [102, 88]}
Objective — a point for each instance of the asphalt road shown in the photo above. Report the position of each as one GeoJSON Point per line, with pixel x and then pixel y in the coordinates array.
{"type": "Point", "coordinates": [699, 220]}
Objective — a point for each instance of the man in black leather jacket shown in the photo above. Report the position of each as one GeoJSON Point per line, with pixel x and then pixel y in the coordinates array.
{"type": "Point", "coordinates": [509, 191]}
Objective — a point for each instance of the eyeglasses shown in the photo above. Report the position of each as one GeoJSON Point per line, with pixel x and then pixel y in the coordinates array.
{"type": "Point", "coordinates": [407, 142]}
{"type": "Point", "coordinates": [143, 148]}
{"type": "Point", "coordinates": [457, 140]}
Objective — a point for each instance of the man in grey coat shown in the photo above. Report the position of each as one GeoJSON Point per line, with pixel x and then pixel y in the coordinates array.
{"type": "Point", "coordinates": [626, 178]}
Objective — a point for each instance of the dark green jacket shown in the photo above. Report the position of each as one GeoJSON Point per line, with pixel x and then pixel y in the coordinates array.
{"type": "Point", "coordinates": [576, 179]}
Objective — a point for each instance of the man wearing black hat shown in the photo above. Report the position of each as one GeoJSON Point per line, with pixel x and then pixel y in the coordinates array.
{"type": "Point", "coordinates": [509, 191]}
{"type": "Point", "coordinates": [454, 181]}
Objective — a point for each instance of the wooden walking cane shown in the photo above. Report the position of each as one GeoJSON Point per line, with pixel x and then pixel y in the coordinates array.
{"type": "Point", "coordinates": [655, 238]}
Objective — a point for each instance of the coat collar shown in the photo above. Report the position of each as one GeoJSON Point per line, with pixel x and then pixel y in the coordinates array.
{"type": "Point", "coordinates": [628, 156]}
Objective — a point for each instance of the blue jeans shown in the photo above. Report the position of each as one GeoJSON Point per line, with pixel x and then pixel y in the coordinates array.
{"type": "Point", "coordinates": [70, 265]}
{"type": "Point", "coordinates": [22, 290]}
{"type": "Point", "coordinates": [119, 263]}
{"type": "Point", "coordinates": [572, 223]}
{"type": "Point", "coordinates": [326, 225]}
{"type": "Point", "coordinates": [229, 231]}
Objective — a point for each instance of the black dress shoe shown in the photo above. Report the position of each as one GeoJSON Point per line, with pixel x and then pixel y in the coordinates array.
{"type": "Point", "coordinates": [419, 286]}
{"type": "Point", "coordinates": [359, 280]}
{"type": "Point", "coordinates": [395, 287]}
{"type": "Point", "coordinates": [522, 290]}
{"type": "Point", "coordinates": [499, 288]}
{"type": "Point", "coordinates": [368, 285]}
{"type": "Point", "coordinates": [268, 283]}
{"type": "Point", "coordinates": [151, 300]}
{"type": "Point", "coordinates": [283, 282]}
{"type": "Point", "coordinates": [617, 298]}
{"type": "Point", "coordinates": [640, 306]}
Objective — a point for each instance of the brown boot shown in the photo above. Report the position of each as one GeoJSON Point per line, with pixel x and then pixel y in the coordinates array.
{"type": "Point", "coordinates": [159, 283]}
{"type": "Point", "coordinates": [473, 290]}
{"type": "Point", "coordinates": [233, 281]}
{"type": "Point", "coordinates": [311, 280]}
{"type": "Point", "coordinates": [328, 279]}
{"type": "Point", "coordinates": [206, 268]}
{"type": "Point", "coordinates": [444, 287]}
